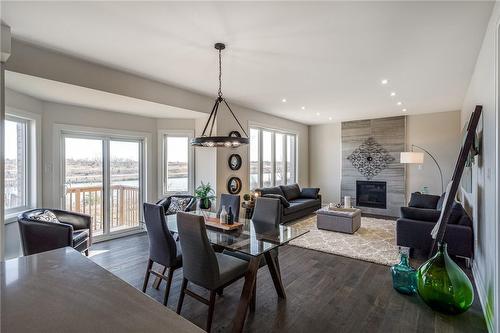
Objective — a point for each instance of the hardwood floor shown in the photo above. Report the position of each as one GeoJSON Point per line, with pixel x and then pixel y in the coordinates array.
{"type": "Point", "coordinates": [325, 293]}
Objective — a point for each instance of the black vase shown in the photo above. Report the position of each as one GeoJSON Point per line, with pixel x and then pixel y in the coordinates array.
{"type": "Point", "coordinates": [205, 204]}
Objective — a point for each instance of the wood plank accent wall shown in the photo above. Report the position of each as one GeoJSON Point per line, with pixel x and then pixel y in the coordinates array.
{"type": "Point", "coordinates": [390, 133]}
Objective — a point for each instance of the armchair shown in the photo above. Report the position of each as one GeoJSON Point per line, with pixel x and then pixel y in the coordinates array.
{"type": "Point", "coordinates": [70, 229]}
{"type": "Point", "coordinates": [417, 220]}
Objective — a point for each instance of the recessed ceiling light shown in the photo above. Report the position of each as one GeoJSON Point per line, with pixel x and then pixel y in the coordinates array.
{"type": "Point", "coordinates": [317, 113]}
{"type": "Point", "coordinates": [384, 81]}
{"type": "Point", "coordinates": [399, 103]}
{"type": "Point", "coordinates": [284, 100]}
{"type": "Point", "coordinates": [393, 94]}
{"type": "Point", "coordinates": [404, 110]}
{"type": "Point", "coordinates": [329, 118]}
{"type": "Point", "coordinates": [303, 107]}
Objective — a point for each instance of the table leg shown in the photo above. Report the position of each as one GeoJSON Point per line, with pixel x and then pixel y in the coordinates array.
{"type": "Point", "coordinates": [275, 275]}
{"type": "Point", "coordinates": [246, 294]}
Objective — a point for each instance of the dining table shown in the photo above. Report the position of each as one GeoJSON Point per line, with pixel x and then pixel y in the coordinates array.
{"type": "Point", "coordinates": [254, 239]}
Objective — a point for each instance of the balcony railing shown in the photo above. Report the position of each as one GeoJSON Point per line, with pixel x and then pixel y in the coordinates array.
{"type": "Point", "coordinates": [124, 205]}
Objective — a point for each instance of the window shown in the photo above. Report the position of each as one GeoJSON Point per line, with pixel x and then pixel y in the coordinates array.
{"type": "Point", "coordinates": [272, 158]}
{"type": "Point", "coordinates": [17, 164]}
{"type": "Point", "coordinates": [254, 158]}
{"type": "Point", "coordinates": [177, 169]}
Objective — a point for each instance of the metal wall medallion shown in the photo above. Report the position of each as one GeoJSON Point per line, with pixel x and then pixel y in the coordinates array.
{"type": "Point", "coordinates": [234, 185]}
{"type": "Point", "coordinates": [234, 134]}
{"type": "Point", "coordinates": [370, 158]}
{"type": "Point", "coordinates": [234, 162]}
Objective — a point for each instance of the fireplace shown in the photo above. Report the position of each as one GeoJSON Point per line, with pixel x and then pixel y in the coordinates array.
{"type": "Point", "coordinates": [371, 194]}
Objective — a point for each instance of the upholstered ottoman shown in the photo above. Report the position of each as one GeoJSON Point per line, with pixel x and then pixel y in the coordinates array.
{"type": "Point", "coordinates": [347, 220]}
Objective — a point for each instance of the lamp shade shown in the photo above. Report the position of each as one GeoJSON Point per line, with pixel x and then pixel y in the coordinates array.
{"type": "Point", "coordinates": [411, 157]}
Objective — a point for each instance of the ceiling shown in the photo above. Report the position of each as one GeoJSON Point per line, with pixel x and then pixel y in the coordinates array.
{"type": "Point", "coordinates": [329, 57]}
{"type": "Point", "coordinates": [59, 92]}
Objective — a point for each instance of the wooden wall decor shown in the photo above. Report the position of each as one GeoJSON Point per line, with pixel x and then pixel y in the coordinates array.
{"type": "Point", "coordinates": [457, 175]}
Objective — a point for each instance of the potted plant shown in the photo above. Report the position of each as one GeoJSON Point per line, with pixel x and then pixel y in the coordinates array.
{"type": "Point", "coordinates": [204, 193]}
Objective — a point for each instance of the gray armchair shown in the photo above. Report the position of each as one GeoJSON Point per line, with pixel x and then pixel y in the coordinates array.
{"type": "Point", "coordinates": [417, 220]}
{"type": "Point", "coordinates": [70, 229]}
{"type": "Point", "coordinates": [202, 265]}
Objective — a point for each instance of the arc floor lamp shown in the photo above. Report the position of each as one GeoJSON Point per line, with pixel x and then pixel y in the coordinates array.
{"type": "Point", "coordinates": [413, 157]}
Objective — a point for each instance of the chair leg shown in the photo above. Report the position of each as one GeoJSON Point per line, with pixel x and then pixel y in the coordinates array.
{"type": "Point", "coordinates": [211, 307]}
{"type": "Point", "coordinates": [157, 282]}
{"type": "Point", "coordinates": [170, 272]}
{"type": "Point", "coordinates": [181, 297]}
{"type": "Point", "coordinates": [146, 277]}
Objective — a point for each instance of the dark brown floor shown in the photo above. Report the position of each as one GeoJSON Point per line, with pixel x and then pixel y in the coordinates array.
{"type": "Point", "coordinates": [325, 293]}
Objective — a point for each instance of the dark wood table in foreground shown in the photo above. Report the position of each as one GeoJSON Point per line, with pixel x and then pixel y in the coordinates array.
{"type": "Point", "coordinates": [63, 291]}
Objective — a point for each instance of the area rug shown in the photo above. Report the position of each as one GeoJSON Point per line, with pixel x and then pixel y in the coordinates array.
{"type": "Point", "coordinates": [375, 240]}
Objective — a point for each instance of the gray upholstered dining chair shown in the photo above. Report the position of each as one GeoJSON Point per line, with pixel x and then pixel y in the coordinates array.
{"type": "Point", "coordinates": [267, 210]}
{"type": "Point", "coordinates": [163, 249]}
{"type": "Point", "coordinates": [230, 200]}
{"type": "Point", "coordinates": [266, 216]}
{"type": "Point", "coordinates": [202, 265]}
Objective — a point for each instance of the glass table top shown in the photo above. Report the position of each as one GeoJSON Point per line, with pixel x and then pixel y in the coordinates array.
{"type": "Point", "coordinates": [252, 238]}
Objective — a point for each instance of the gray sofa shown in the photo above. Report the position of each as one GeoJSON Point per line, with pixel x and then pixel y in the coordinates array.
{"type": "Point", "coordinates": [295, 202]}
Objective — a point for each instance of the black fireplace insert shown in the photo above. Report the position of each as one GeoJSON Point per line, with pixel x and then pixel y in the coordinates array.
{"type": "Point", "coordinates": [371, 194]}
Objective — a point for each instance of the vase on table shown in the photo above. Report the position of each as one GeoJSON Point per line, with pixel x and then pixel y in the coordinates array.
{"type": "Point", "coordinates": [404, 277]}
{"type": "Point", "coordinates": [443, 285]}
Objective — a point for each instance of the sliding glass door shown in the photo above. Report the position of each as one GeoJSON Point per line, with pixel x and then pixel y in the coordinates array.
{"type": "Point", "coordinates": [103, 178]}
{"type": "Point", "coordinates": [83, 179]}
{"type": "Point", "coordinates": [125, 179]}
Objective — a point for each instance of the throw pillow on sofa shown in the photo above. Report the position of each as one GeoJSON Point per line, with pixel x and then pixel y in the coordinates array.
{"type": "Point", "coordinates": [419, 200]}
{"type": "Point", "coordinates": [291, 192]}
{"type": "Point", "coordinates": [269, 190]}
{"type": "Point", "coordinates": [45, 216]}
{"type": "Point", "coordinates": [309, 193]}
{"type": "Point", "coordinates": [283, 200]}
{"type": "Point", "coordinates": [177, 204]}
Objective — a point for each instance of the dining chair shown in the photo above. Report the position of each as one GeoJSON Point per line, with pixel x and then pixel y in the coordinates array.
{"type": "Point", "coordinates": [202, 265]}
{"type": "Point", "coordinates": [230, 200]}
{"type": "Point", "coordinates": [266, 216]}
{"type": "Point", "coordinates": [163, 249]}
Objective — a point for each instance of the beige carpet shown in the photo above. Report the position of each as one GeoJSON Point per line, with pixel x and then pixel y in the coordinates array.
{"type": "Point", "coordinates": [375, 241]}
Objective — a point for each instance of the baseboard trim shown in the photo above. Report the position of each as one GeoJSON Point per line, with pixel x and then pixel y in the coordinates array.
{"type": "Point", "coordinates": [483, 299]}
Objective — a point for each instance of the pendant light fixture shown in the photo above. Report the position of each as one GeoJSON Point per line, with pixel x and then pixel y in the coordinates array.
{"type": "Point", "coordinates": [234, 139]}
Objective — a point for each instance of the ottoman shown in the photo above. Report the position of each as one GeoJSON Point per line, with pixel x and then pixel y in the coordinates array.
{"type": "Point", "coordinates": [347, 220]}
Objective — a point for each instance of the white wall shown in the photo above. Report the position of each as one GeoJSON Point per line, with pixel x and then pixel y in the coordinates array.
{"type": "Point", "coordinates": [325, 156]}
{"type": "Point", "coordinates": [205, 160]}
{"type": "Point", "coordinates": [440, 134]}
{"type": "Point", "coordinates": [483, 90]}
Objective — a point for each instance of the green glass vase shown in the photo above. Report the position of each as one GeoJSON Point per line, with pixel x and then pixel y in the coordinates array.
{"type": "Point", "coordinates": [442, 285]}
{"type": "Point", "coordinates": [404, 278]}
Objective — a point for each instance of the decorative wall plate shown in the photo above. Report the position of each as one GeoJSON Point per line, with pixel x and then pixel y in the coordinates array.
{"type": "Point", "coordinates": [370, 158]}
{"type": "Point", "coordinates": [234, 185]}
{"type": "Point", "coordinates": [234, 162]}
{"type": "Point", "coordinates": [234, 134]}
